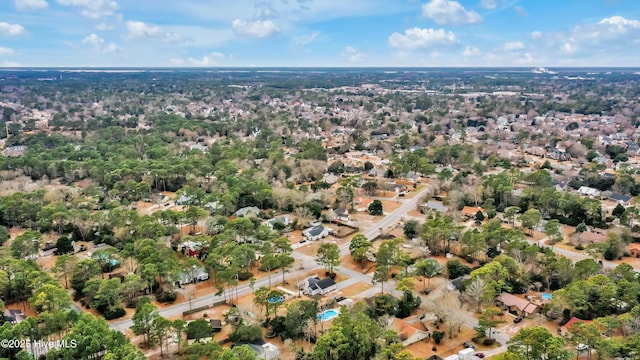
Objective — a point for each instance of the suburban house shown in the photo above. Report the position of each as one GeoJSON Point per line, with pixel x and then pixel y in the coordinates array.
{"type": "Point", "coordinates": [362, 203]}
{"type": "Point", "coordinates": [519, 306]}
{"type": "Point", "coordinates": [342, 215]}
{"type": "Point", "coordinates": [266, 351]}
{"type": "Point", "coordinates": [433, 205]}
{"type": "Point", "coordinates": [247, 210]}
{"type": "Point", "coordinates": [216, 325]}
{"type": "Point", "coordinates": [410, 330]}
{"type": "Point", "coordinates": [14, 316]}
{"type": "Point", "coordinates": [315, 286]}
{"type": "Point", "coordinates": [187, 277]}
{"type": "Point", "coordinates": [588, 191]}
{"type": "Point", "coordinates": [624, 200]}
{"type": "Point", "coordinates": [316, 232]}
{"type": "Point", "coordinates": [634, 250]}
{"type": "Point", "coordinates": [469, 212]}
{"type": "Point", "coordinates": [192, 248]}
{"type": "Point", "coordinates": [282, 219]}
{"type": "Point", "coordinates": [566, 328]}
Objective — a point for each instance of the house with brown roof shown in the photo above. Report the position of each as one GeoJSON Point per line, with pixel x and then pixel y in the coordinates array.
{"type": "Point", "coordinates": [410, 330]}
{"type": "Point", "coordinates": [469, 212]}
{"type": "Point", "coordinates": [634, 250]}
{"type": "Point", "coordinates": [566, 328]}
{"type": "Point", "coordinates": [514, 304]}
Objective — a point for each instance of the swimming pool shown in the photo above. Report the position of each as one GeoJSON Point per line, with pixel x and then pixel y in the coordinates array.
{"type": "Point", "coordinates": [547, 296]}
{"type": "Point", "coordinates": [273, 299]}
{"type": "Point", "coordinates": [328, 314]}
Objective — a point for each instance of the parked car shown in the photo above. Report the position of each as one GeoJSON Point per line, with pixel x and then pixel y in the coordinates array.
{"type": "Point", "coordinates": [468, 345]}
{"type": "Point", "coordinates": [480, 355]}
{"type": "Point", "coordinates": [517, 319]}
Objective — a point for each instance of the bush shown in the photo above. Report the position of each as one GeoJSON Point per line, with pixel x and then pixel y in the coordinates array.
{"type": "Point", "coordinates": [579, 247]}
{"type": "Point", "coordinates": [167, 297]}
{"type": "Point", "coordinates": [488, 342]}
{"type": "Point", "coordinates": [114, 313]}
{"type": "Point", "coordinates": [131, 304]}
{"type": "Point", "coordinates": [438, 336]}
{"type": "Point", "coordinates": [245, 275]}
{"type": "Point", "coordinates": [246, 333]}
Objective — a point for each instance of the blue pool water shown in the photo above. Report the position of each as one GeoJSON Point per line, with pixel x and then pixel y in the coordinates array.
{"type": "Point", "coordinates": [547, 296]}
{"type": "Point", "coordinates": [274, 300]}
{"type": "Point", "coordinates": [328, 315]}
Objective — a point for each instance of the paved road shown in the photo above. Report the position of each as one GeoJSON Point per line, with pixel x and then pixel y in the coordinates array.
{"type": "Point", "coordinates": [308, 264]}
{"type": "Point", "coordinates": [390, 218]}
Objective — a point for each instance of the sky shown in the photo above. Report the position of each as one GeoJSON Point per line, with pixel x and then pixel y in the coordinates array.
{"type": "Point", "coordinates": [319, 33]}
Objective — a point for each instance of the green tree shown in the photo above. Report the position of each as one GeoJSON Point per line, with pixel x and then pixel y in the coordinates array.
{"type": "Point", "coordinates": [489, 319]}
{"type": "Point", "coordinates": [385, 259]}
{"type": "Point", "coordinates": [199, 329]}
{"type": "Point", "coordinates": [64, 266]}
{"type": "Point", "coordinates": [375, 208]}
{"type": "Point", "coordinates": [427, 269]}
{"type": "Point", "coordinates": [4, 235]}
{"type": "Point", "coordinates": [143, 319]}
{"type": "Point", "coordinates": [353, 336]}
{"type": "Point", "coordinates": [82, 272]}
{"type": "Point", "coordinates": [536, 343]}
{"type": "Point", "coordinates": [328, 255]}
{"type": "Point", "coordinates": [411, 229]}
{"type": "Point", "coordinates": [50, 298]}
{"type": "Point", "coordinates": [360, 247]}
{"type": "Point", "coordinates": [510, 213]}
{"type": "Point", "coordinates": [26, 244]}
{"type": "Point", "coordinates": [554, 231]}
{"type": "Point", "coordinates": [108, 295]}
{"type": "Point", "coordinates": [63, 245]}
{"type": "Point", "coordinates": [530, 219]}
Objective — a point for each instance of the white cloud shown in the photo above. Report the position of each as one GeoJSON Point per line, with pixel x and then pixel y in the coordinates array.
{"type": "Point", "coordinates": [470, 51]}
{"type": "Point", "coordinates": [488, 4]}
{"type": "Point", "coordinates": [10, 64]}
{"type": "Point", "coordinates": [513, 46]}
{"type": "Point", "coordinates": [93, 9]}
{"type": "Point", "coordinates": [104, 27]}
{"type": "Point", "coordinates": [212, 59]}
{"type": "Point", "coordinates": [307, 39]}
{"type": "Point", "coordinates": [569, 46]}
{"type": "Point", "coordinates": [99, 44]}
{"type": "Point", "coordinates": [353, 55]}
{"type": "Point", "coordinates": [7, 29]}
{"type": "Point", "coordinates": [535, 35]}
{"type": "Point", "coordinates": [618, 24]}
{"type": "Point", "coordinates": [27, 5]}
{"type": "Point", "coordinates": [6, 51]}
{"type": "Point", "coordinates": [520, 10]}
{"type": "Point", "coordinates": [140, 30]}
{"type": "Point", "coordinates": [415, 38]}
{"type": "Point", "coordinates": [257, 28]}
{"type": "Point", "coordinates": [207, 60]}
{"type": "Point", "coordinates": [445, 12]}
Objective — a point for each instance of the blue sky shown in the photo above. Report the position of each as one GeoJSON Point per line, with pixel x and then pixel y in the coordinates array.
{"type": "Point", "coordinates": [319, 33]}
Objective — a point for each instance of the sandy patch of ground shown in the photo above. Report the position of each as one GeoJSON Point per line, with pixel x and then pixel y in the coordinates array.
{"type": "Point", "coordinates": [423, 349]}
{"type": "Point", "coordinates": [348, 263]}
{"type": "Point", "coordinates": [353, 290]}
{"type": "Point", "coordinates": [390, 205]}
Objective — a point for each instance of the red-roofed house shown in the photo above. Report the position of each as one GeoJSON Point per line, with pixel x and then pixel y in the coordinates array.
{"type": "Point", "coordinates": [470, 211]}
{"type": "Point", "coordinates": [362, 203]}
{"type": "Point", "coordinates": [566, 328]}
